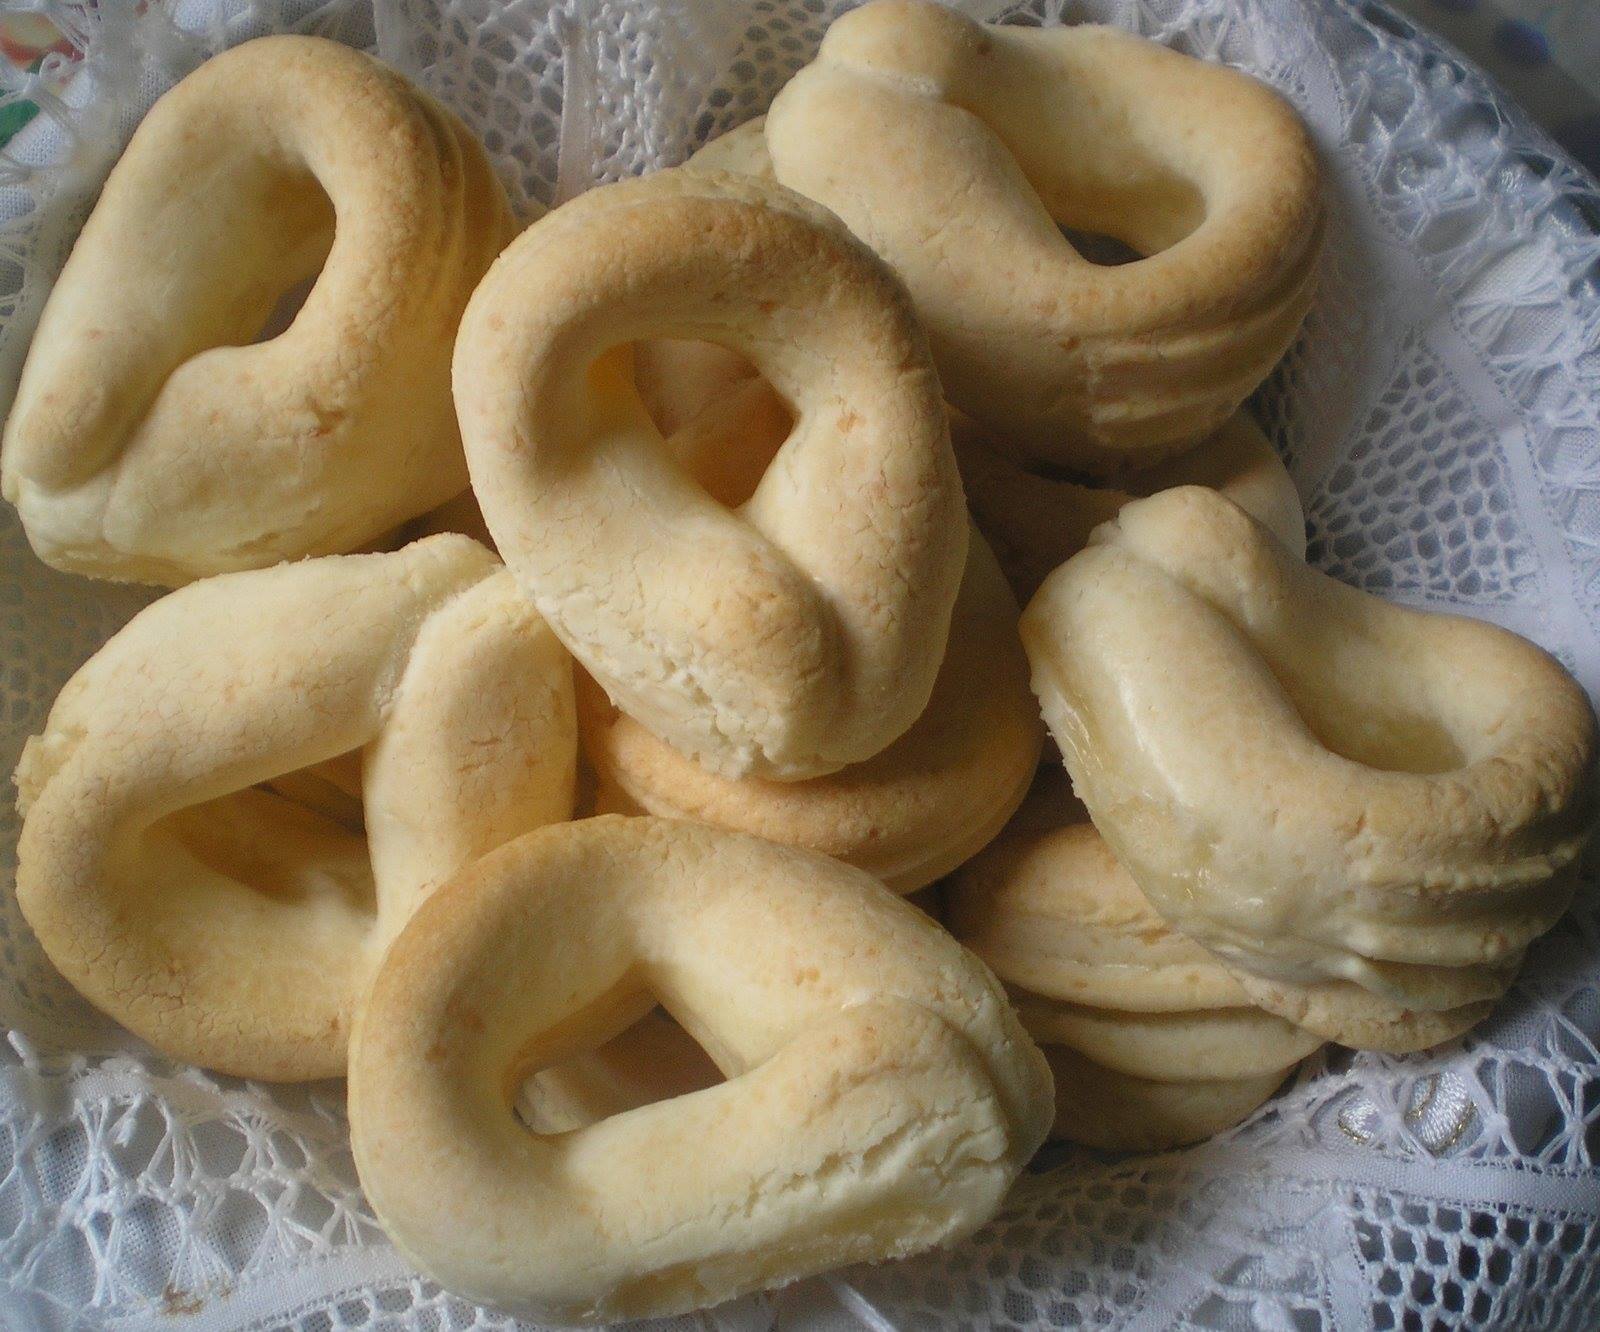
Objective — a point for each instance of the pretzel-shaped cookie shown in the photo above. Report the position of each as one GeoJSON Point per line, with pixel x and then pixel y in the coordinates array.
{"type": "Point", "coordinates": [909, 814]}
{"type": "Point", "coordinates": [802, 632]}
{"type": "Point", "coordinates": [1363, 810]}
{"type": "Point", "coordinates": [1153, 1043]}
{"type": "Point", "coordinates": [881, 1097]}
{"type": "Point", "coordinates": [206, 857]}
{"type": "Point", "coordinates": [152, 439]}
{"type": "Point", "coordinates": [955, 148]}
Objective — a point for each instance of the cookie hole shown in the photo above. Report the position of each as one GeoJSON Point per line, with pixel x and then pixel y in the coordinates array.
{"type": "Point", "coordinates": [1385, 738]}
{"type": "Point", "coordinates": [652, 1060]}
{"type": "Point", "coordinates": [299, 838]}
{"type": "Point", "coordinates": [1099, 248]}
{"type": "Point", "coordinates": [278, 278]}
{"type": "Point", "coordinates": [722, 420]}
{"type": "Point", "coordinates": [331, 789]}
{"type": "Point", "coordinates": [1142, 210]}
{"type": "Point", "coordinates": [287, 307]}
{"type": "Point", "coordinates": [1347, 718]}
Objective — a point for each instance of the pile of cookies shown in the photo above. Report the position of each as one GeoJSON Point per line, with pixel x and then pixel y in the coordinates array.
{"type": "Point", "coordinates": [595, 712]}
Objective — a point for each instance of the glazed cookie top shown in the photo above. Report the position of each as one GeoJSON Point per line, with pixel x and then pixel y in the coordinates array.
{"type": "Point", "coordinates": [1317, 785]}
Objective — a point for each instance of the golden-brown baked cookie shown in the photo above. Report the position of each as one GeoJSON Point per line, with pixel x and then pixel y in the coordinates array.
{"type": "Point", "coordinates": [801, 633]}
{"type": "Point", "coordinates": [959, 150]}
{"type": "Point", "coordinates": [880, 1096]}
{"type": "Point", "coordinates": [154, 438]}
{"type": "Point", "coordinates": [907, 815]}
{"type": "Point", "coordinates": [239, 800]}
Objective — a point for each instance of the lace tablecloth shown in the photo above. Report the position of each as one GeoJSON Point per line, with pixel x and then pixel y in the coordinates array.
{"type": "Point", "coordinates": [1442, 418]}
{"type": "Point", "coordinates": [1545, 53]}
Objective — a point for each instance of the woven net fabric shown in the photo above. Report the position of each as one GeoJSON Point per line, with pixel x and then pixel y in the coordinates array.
{"type": "Point", "coordinates": [1441, 415]}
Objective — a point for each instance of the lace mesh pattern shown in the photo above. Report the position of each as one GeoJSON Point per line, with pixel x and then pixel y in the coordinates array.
{"type": "Point", "coordinates": [1441, 414]}
{"type": "Point", "coordinates": [1422, 502]}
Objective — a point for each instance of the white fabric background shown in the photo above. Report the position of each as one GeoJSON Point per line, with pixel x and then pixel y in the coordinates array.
{"type": "Point", "coordinates": [1440, 416]}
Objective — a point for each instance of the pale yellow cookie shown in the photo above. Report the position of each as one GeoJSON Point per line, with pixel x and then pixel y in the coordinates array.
{"type": "Point", "coordinates": [909, 814]}
{"type": "Point", "coordinates": [153, 437]}
{"type": "Point", "coordinates": [1155, 1044]}
{"type": "Point", "coordinates": [1368, 812]}
{"type": "Point", "coordinates": [802, 632]}
{"type": "Point", "coordinates": [881, 1096]}
{"type": "Point", "coordinates": [1050, 909]}
{"type": "Point", "coordinates": [239, 800]}
{"type": "Point", "coordinates": [960, 150]}
{"type": "Point", "coordinates": [1036, 521]}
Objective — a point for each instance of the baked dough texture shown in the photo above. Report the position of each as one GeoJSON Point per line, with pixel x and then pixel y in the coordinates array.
{"type": "Point", "coordinates": [241, 798]}
{"type": "Point", "coordinates": [1368, 812]}
{"type": "Point", "coordinates": [742, 150]}
{"type": "Point", "coordinates": [1164, 1046]}
{"type": "Point", "coordinates": [959, 150]}
{"type": "Point", "coordinates": [1036, 522]}
{"type": "Point", "coordinates": [786, 639]}
{"type": "Point", "coordinates": [907, 815]}
{"type": "Point", "coordinates": [880, 1096]}
{"type": "Point", "coordinates": [1117, 1112]}
{"type": "Point", "coordinates": [723, 425]}
{"type": "Point", "coordinates": [653, 1060]}
{"type": "Point", "coordinates": [152, 438]}
{"type": "Point", "coordinates": [678, 378]}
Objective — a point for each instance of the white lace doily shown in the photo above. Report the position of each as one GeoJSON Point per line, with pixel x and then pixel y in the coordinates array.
{"type": "Point", "coordinates": [1442, 417]}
